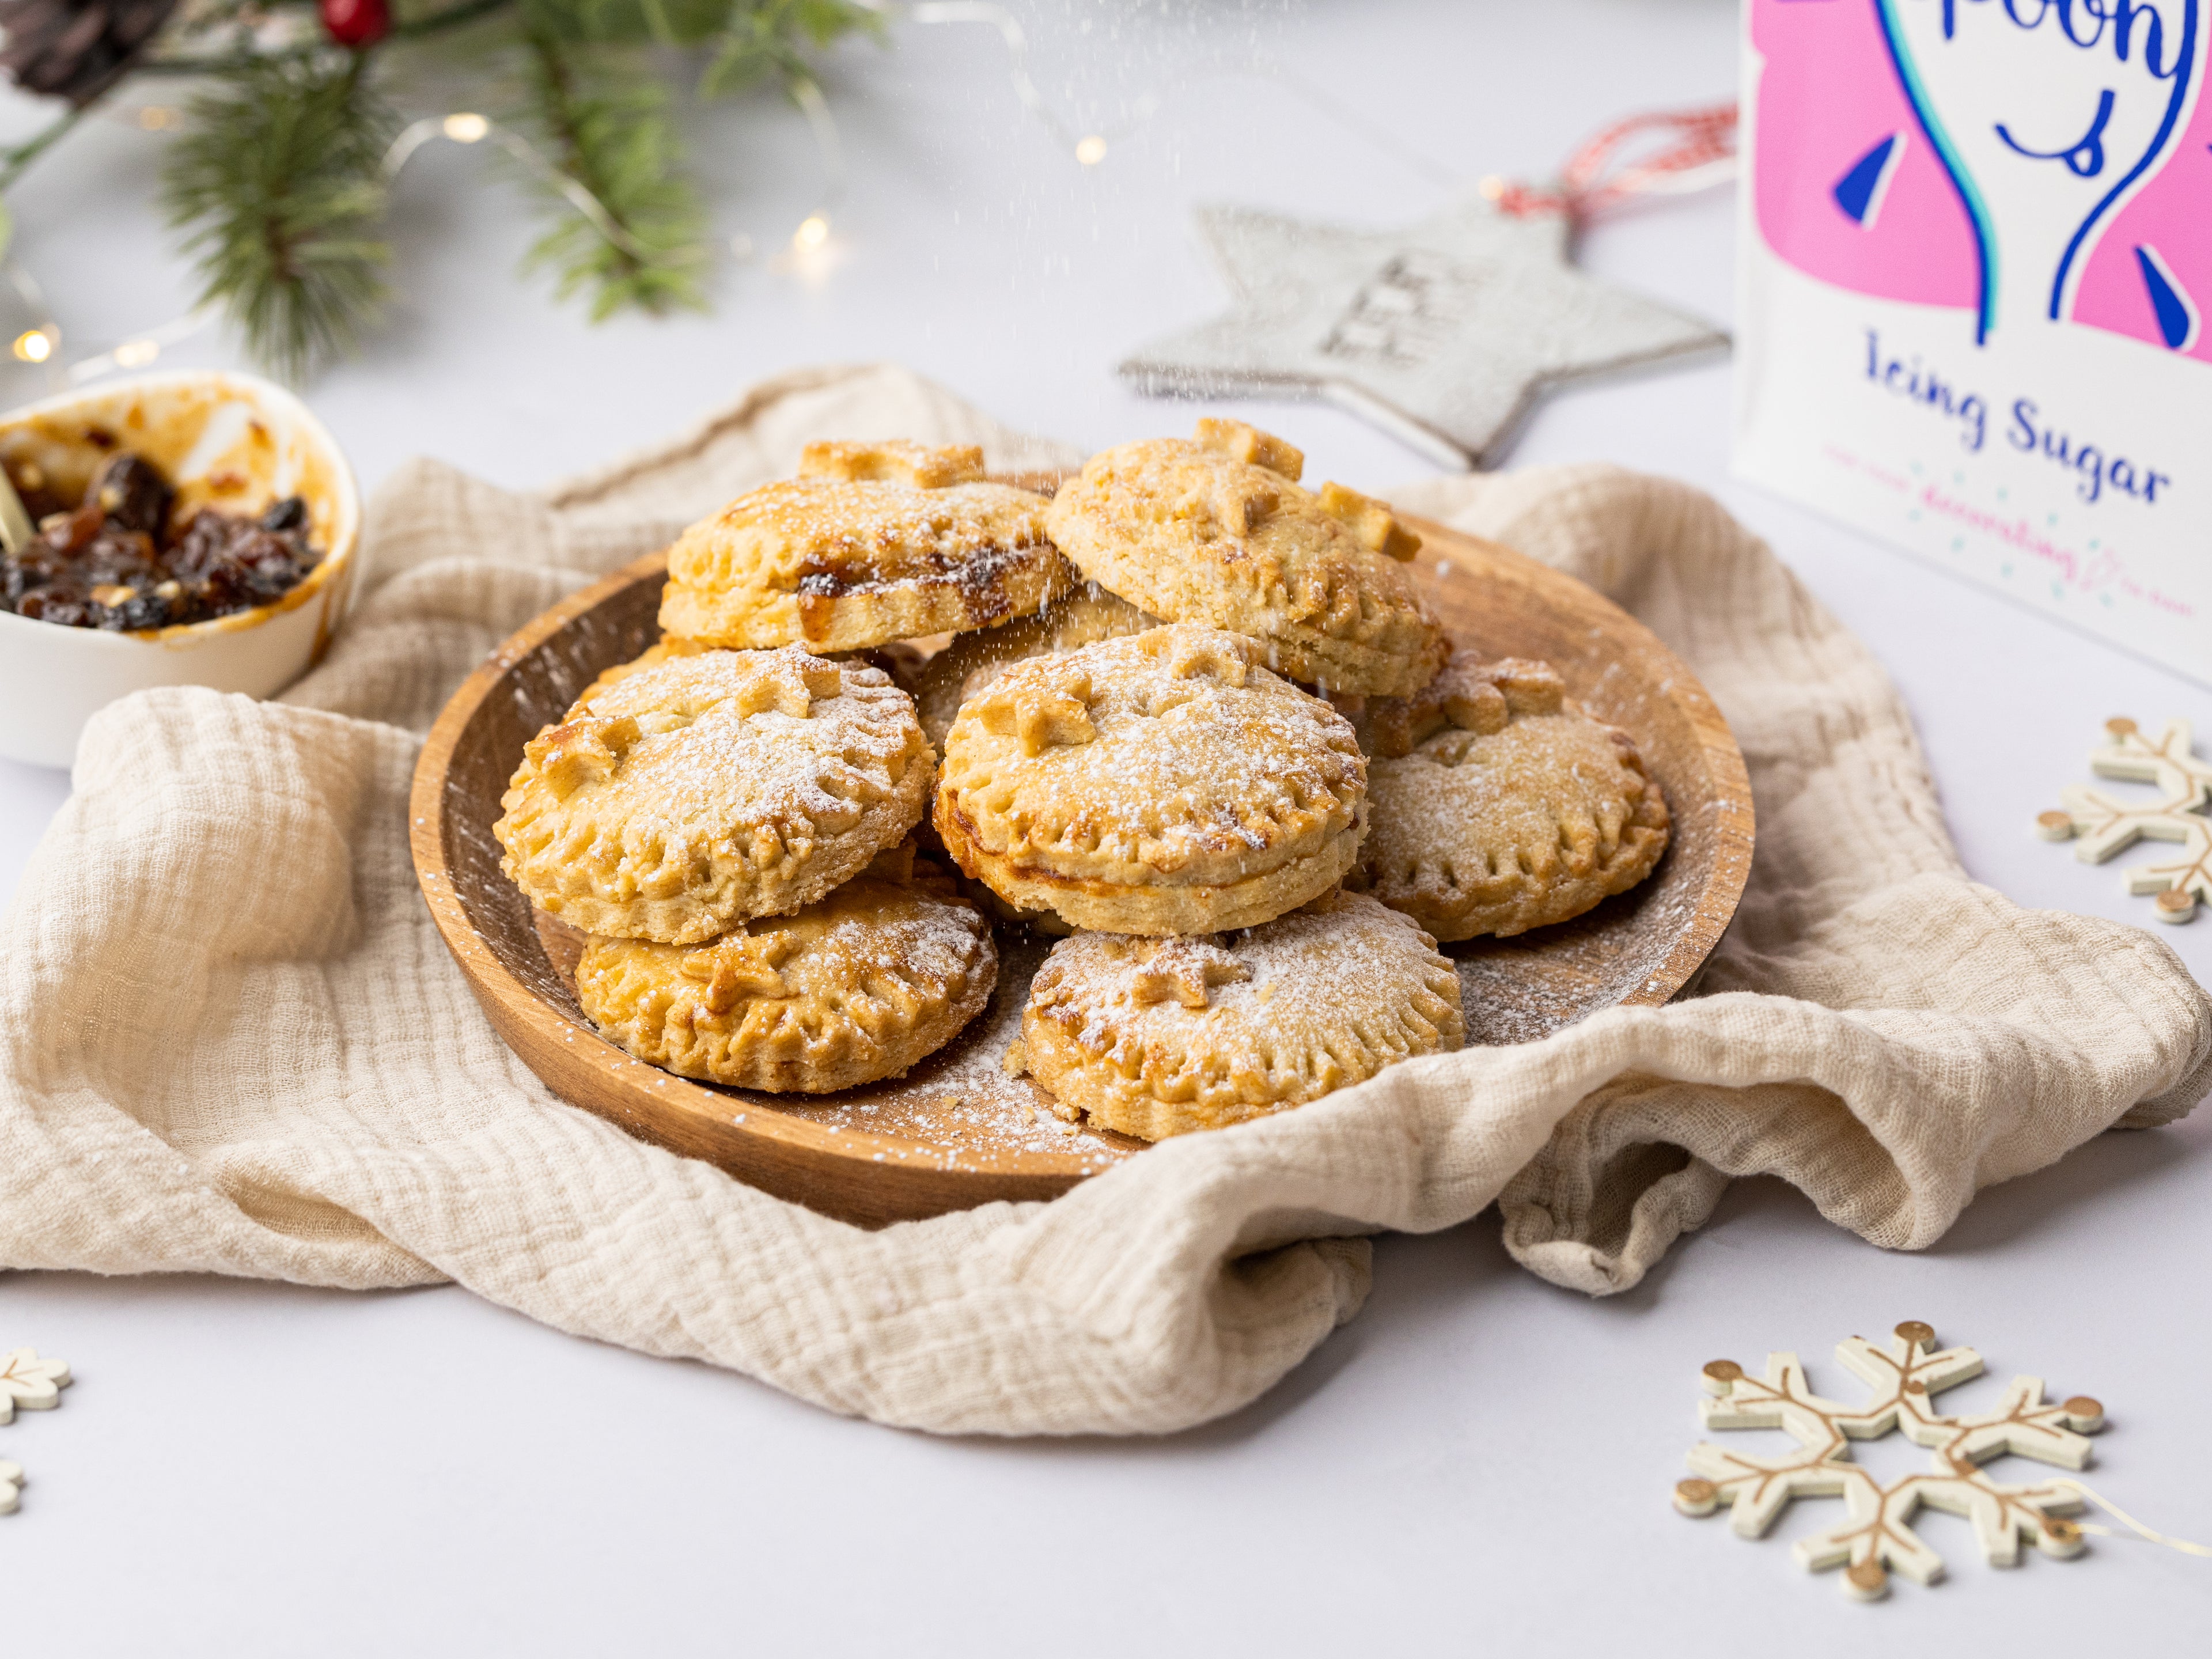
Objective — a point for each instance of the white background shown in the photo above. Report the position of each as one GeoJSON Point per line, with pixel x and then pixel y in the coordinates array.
{"type": "Point", "coordinates": [1479, 1463]}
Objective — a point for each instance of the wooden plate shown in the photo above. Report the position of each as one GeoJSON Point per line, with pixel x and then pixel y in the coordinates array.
{"type": "Point", "coordinates": [956, 1130]}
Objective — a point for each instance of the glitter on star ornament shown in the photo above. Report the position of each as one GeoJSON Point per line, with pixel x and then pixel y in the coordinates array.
{"type": "Point", "coordinates": [1876, 1536]}
{"type": "Point", "coordinates": [1444, 334]}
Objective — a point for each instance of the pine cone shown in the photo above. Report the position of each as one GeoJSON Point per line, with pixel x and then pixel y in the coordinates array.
{"type": "Point", "coordinates": [76, 49]}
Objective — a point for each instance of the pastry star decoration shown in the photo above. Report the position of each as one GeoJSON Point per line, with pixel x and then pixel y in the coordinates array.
{"type": "Point", "coordinates": [1040, 716]}
{"type": "Point", "coordinates": [1185, 970]}
{"type": "Point", "coordinates": [736, 966]}
{"type": "Point", "coordinates": [1444, 334]}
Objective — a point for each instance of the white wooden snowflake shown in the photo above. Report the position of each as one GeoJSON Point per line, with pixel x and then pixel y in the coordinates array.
{"type": "Point", "coordinates": [35, 1384]}
{"type": "Point", "coordinates": [1876, 1534]}
{"type": "Point", "coordinates": [28, 1381]}
{"type": "Point", "coordinates": [2103, 826]}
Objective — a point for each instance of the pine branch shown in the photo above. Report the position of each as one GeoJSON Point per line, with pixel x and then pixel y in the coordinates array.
{"type": "Point", "coordinates": [610, 134]}
{"type": "Point", "coordinates": [14, 161]}
{"type": "Point", "coordinates": [451, 16]}
{"type": "Point", "coordinates": [278, 182]}
{"type": "Point", "coordinates": [635, 22]}
{"type": "Point", "coordinates": [243, 52]}
{"type": "Point", "coordinates": [761, 38]}
{"type": "Point", "coordinates": [748, 39]}
{"type": "Point", "coordinates": [217, 38]}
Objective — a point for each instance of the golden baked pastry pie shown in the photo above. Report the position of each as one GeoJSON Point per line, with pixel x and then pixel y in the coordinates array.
{"type": "Point", "coordinates": [1218, 531]}
{"type": "Point", "coordinates": [1500, 805]}
{"type": "Point", "coordinates": [1162, 783]}
{"type": "Point", "coordinates": [692, 795]}
{"type": "Point", "coordinates": [898, 659]}
{"type": "Point", "coordinates": [660, 651]}
{"type": "Point", "coordinates": [856, 987]}
{"type": "Point", "coordinates": [1085, 614]}
{"type": "Point", "coordinates": [871, 542]}
{"type": "Point", "coordinates": [1158, 1037]}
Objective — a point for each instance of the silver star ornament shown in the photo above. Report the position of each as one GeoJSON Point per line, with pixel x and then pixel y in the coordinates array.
{"type": "Point", "coordinates": [1444, 334]}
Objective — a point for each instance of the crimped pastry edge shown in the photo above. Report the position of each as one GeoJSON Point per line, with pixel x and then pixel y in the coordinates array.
{"type": "Point", "coordinates": [1646, 836]}
{"type": "Point", "coordinates": [1110, 555]}
{"type": "Point", "coordinates": [863, 618]}
{"type": "Point", "coordinates": [1154, 1107]}
{"type": "Point", "coordinates": [548, 877]}
{"type": "Point", "coordinates": [1291, 824]}
{"type": "Point", "coordinates": [1292, 650]}
{"type": "Point", "coordinates": [676, 1045]}
{"type": "Point", "coordinates": [937, 682]}
{"type": "Point", "coordinates": [1154, 908]}
{"type": "Point", "coordinates": [691, 919]}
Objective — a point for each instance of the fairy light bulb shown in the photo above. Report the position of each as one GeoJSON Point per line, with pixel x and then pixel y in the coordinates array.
{"type": "Point", "coordinates": [813, 232]}
{"type": "Point", "coordinates": [1091, 150]}
{"type": "Point", "coordinates": [32, 345]}
{"type": "Point", "coordinates": [464, 128]}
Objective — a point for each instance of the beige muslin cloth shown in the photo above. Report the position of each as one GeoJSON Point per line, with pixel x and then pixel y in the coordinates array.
{"type": "Point", "coordinates": [234, 1043]}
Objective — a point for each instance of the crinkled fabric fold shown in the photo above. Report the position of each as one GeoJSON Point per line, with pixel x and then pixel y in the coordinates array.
{"type": "Point", "coordinates": [231, 1042]}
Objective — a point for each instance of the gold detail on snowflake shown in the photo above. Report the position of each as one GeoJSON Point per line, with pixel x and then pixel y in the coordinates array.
{"type": "Point", "coordinates": [2101, 826]}
{"type": "Point", "coordinates": [35, 1384]}
{"type": "Point", "coordinates": [28, 1381]}
{"type": "Point", "coordinates": [1875, 1536]}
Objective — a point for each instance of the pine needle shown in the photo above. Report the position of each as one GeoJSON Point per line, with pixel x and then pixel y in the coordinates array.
{"type": "Point", "coordinates": [769, 37]}
{"type": "Point", "coordinates": [278, 182]}
{"type": "Point", "coordinates": [611, 134]}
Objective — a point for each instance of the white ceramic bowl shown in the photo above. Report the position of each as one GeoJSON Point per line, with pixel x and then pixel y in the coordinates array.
{"type": "Point", "coordinates": [228, 441]}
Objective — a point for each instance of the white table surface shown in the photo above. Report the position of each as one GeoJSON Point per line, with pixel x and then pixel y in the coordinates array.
{"type": "Point", "coordinates": [1478, 1462]}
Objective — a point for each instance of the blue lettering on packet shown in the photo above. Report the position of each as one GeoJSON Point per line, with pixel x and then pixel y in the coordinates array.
{"type": "Point", "coordinates": [1924, 386]}
{"type": "Point", "coordinates": [2096, 468]}
{"type": "Point", "coordinates": [2099, 472]}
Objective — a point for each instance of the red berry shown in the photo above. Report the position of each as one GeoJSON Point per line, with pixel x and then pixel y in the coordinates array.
{"type": "Point", "coordinates": [356, 23]}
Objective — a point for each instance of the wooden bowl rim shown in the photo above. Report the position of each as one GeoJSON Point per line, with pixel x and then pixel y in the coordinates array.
{"type": "Point", "coordinates": [1044, 1174]}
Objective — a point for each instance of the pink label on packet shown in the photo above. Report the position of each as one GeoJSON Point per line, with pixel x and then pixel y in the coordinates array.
{"type": "Point", "coordinates": [2030, 162]}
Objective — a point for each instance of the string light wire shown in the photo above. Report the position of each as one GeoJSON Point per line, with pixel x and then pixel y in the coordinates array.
{"type": "Point", "coordinates": [813, 230]}
{"type": "Point", "coordinates": [140, 350]}
{"type": "Point", "coordinates": [1702, 156]}
{"type": "Point", "coordinates": [467, 128]}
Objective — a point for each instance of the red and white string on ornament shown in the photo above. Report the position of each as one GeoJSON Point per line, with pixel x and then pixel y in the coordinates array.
{"type": "Point", "coordinates": [1695, 149]}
